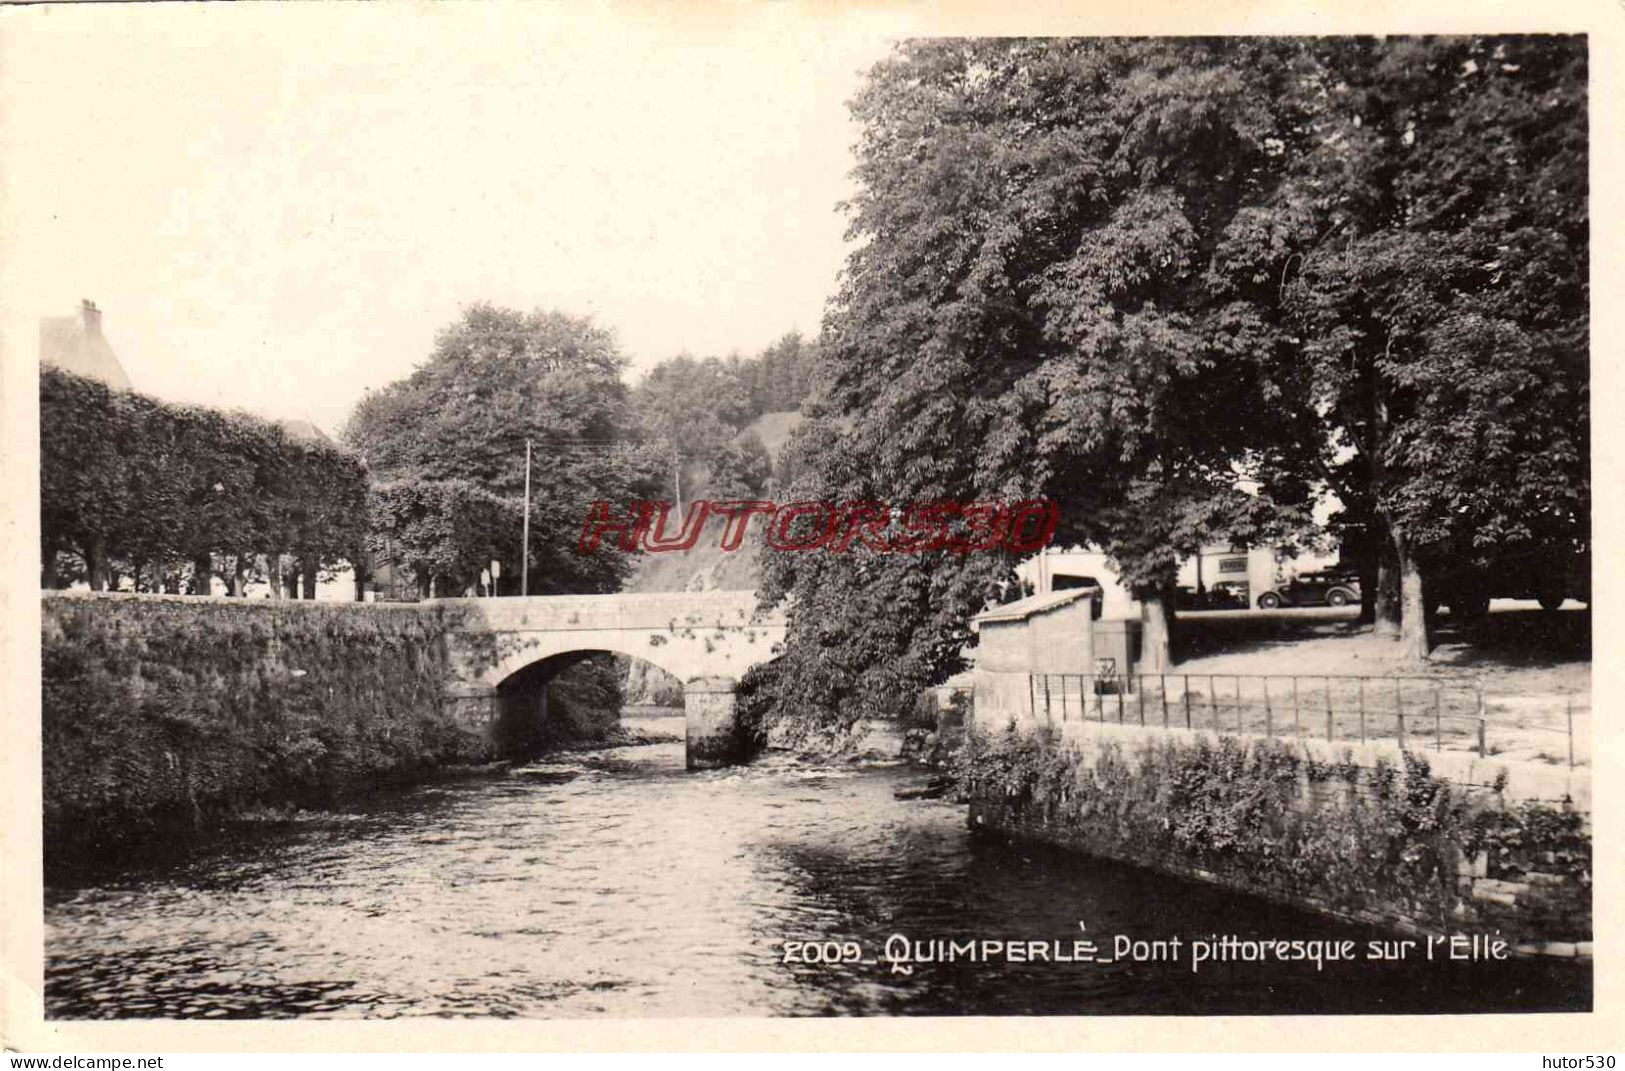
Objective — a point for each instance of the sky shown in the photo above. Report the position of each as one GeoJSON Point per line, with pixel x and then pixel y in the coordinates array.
{"type": "Point", "coordinates": [276, 207]}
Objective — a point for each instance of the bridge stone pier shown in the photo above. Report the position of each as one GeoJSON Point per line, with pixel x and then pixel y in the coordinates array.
{"type": "Point", "coordinates": [707, 640]}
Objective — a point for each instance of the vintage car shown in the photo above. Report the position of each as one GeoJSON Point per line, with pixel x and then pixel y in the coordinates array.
{"type": "Point", "coordinates": [1324, 588]}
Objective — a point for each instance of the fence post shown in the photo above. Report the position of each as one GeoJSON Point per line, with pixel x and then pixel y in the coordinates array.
{"type": "Point", "coordinates": [1483, 745]}
{"type": "Point", "coordinates": [1361, 681]}
{"type": "Point", "coordinates": [1120, 706]}
{"type": "Point", "coordinates": [1213, 701]}
{"type": "Point", "coordinates": [1438, 719]}
{"type": "Point", "coordinates": [1297, 720]}
{"type": "Point", "coordinates": [1240, 728]}
{"type": "Point", "coordinates": [1568, 713]}
{"type": "Point", "coordinates": [1329, 733]}
{"type": "Point", "coordinates": [1139, 697]}
{"type": "Point", "coordinates": [1399, 709]}
{"type": "Point", "coordinates": [1048, 717]}
{"type": "Point", "coordinates": [1269, 716]}
{"type": "Point", "coordinates": [1187, 679]}
{"type": "Point", "coordinates": [1162, 686]}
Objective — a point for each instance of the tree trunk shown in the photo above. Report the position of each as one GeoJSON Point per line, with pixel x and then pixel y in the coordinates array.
{"type": "Point", "coordinates": [307, 571]}
{"type": "Point", "coordinates": [361, 570]}
{"type": "Point", "coordinates": [1365, 557]}
{"type": "Point", "coordinates": [239, 577]}
{"type": "Point", "coordinates": [96, 560]}
{"type": "Point", "coordinates": [1156, 635]}
{"type": "Point", "coordinates": [273, 568]}
{"type": "Point", "coordinates": [172, 579]}
{"type": "Point", "coordinates": [1389, 617]}
{"type": "Point", "coordinates": [202, 574]}
{"type": "Point", "coordinates": [1414, 640]}
{"type": "Point", "coordinates": [48, 571]}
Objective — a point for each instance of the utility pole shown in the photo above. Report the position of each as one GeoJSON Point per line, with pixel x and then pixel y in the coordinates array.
{"type": "Point", "coordinates": [524, 548]}
{"type": "Point", "coordinates": [677, 479]}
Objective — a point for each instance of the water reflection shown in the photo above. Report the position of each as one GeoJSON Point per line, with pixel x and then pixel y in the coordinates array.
{"type": "Point", "coordinates": [616, 883]}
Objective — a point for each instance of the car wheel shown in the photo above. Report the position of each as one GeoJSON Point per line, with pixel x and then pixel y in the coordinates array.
{"type": "Point", "coordinates": [1551, 600]}
{"type": "Point", "coordinates": [1269, 601]}
{"type": "Point", "coordinates": [1470, 606]}
{"type": "Point", "coordinates": [1337, 597]}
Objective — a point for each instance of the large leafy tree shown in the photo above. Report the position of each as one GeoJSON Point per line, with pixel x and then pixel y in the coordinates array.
{"type": "Point", "coordinates": [1431, 243]}
{"type": "Point", "coordinates": [1035, 310]}
{"type": "Point", "coordinates": [452, 435]}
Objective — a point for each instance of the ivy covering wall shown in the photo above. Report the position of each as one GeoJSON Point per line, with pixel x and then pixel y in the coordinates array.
{"type": "Point", "coordinates": [1385, 843]}
{"type": "Point", "coordinates": [159, 710]}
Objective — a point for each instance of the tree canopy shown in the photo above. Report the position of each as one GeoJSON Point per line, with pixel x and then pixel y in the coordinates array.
{"type": "Point", "coordinates": [446, 447]}
{"type": "Point", "coordinates": [1140, 278]}
{"type": "Point", "coordinates": [1432, 243]}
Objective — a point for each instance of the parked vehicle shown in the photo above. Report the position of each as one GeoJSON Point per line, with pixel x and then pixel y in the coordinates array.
{"type": "Point", "coordinates": [1549, 577]}
{"type": "Point", "coordinates": [1325, 588]}
{"type": "Point", "coordinates": [1225, 595]}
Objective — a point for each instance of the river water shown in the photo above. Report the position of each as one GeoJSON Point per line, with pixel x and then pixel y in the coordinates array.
{"type": "Point", "coordinates": [615, 883]}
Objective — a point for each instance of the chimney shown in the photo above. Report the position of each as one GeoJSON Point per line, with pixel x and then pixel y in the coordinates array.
{"type": "Point", "coordinates": [90, 316]}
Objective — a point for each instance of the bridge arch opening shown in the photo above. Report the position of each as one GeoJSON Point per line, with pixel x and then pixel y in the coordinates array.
{"type": "Point", "coordinates": [581, 694]}
{"type": "Point", "coordinates": [707, 640]}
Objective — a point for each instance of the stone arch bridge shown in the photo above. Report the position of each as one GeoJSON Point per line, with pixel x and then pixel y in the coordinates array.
{"type": "Point", "coordinates": [707, 640]}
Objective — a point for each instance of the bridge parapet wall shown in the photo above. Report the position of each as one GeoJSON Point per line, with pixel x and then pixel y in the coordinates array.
{"type": "Point", "coordinates": [643, 611]}
{"type": "Point", "coordinates": [689, 635]}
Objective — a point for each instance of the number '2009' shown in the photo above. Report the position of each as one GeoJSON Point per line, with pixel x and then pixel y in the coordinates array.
{"type": "Point", "coordinates": [822, 952]}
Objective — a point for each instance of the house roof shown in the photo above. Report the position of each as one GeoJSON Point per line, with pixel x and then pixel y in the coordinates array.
{"type": "Point", "coordinates": [75, 344]}
{"type": "Point", "coordinates": [304, 431]}
{"type": "Point", "coordinates": [1022, 609]}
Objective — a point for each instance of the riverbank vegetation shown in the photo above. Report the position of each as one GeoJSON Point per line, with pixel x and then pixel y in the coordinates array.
{"type": "Point", "coordinates": [1268, 818]}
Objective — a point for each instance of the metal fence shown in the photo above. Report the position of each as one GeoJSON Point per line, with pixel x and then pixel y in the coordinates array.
{"type": "Point", "coordinates": [1417, 712]}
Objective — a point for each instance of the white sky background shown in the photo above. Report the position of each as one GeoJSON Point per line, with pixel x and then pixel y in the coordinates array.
{"type": "Point", "coordinates": [276, 207]}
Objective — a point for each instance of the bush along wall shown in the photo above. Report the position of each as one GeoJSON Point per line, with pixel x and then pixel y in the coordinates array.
{"type": "Point", "coordinates": [1387, 845]}
{"type": "Point", "coordinates": [158, 711]}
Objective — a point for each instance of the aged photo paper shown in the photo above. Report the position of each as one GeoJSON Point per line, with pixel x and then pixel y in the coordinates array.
{"type": "Point", "coordinates": [803, 526]}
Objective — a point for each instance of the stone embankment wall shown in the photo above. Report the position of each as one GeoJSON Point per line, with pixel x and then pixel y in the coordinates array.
{"type": "Point", "coordinates": [1367, 834]}
{"type": "Point", "coordinates": [159, 710]}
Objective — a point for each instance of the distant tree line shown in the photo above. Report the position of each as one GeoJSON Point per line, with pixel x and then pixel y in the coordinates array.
{"type": "Point", "coordinates": [171, 496]}
{"type": "Point", "coordinates": [702, 408]}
